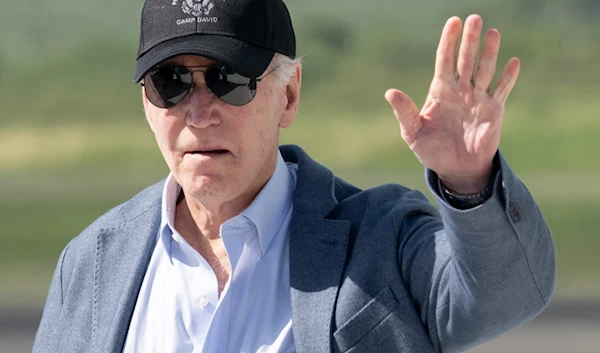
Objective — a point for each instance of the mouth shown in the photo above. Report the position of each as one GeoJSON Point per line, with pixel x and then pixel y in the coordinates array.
{"type": "Point", "coordinates": [209, 152]}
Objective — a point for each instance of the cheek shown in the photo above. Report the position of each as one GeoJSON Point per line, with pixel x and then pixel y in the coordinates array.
{"type": "Point", "coordinates": [262, 131]}
{"type": "Point", "coordinates": [268, 113]}
{"type": "Point", "coordinates": [165, 133]}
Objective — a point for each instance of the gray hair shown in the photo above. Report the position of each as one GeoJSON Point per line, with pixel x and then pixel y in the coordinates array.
{"type": "Point", "coordinates": [285, 68]}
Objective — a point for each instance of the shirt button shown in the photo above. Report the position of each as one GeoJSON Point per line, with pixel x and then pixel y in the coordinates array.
{"type": "Point", "coordinates": [203, 301]}
{"type": "Point", "coordinates": [176, 237]}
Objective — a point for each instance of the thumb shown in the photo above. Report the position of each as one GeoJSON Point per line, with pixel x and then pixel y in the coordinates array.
{"type": "Point", "coordinates": [406, 111]}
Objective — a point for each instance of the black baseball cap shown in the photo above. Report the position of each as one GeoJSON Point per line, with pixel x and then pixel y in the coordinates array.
{"type": "Point", "coordinates": [241, 34]}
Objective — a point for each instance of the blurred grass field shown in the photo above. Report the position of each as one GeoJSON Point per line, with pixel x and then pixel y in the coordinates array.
{"type": "Point", "coordinates": [69, 175]}
{"type": "Point", "coordinates": [74, 143]}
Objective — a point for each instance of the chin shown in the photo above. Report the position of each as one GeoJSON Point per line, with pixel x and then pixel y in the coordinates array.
{"type": "Point", "coordinates": [204, 186]}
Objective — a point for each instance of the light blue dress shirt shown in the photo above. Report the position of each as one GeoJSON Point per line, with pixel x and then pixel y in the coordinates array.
{"type": "Point", "coordinates": [178, 309]}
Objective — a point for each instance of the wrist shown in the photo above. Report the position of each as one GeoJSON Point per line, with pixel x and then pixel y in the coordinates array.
{"type": "Point", "coordinates": [467, 185]}
{"type": "Point", "coordinates": [465, 201]}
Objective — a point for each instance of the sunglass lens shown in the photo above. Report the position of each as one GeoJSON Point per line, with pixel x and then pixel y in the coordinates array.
{"type": "Point", "coordinates": [166, 86]}
{"type": "Point", "coordinates": [229, 86]}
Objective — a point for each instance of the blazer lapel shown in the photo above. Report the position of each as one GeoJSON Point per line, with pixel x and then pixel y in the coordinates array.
{"type": "Point", "coordinates": [317, 256]}
{"type": "Point", "coordinates": [318, 248]}
{"type": "Point", "coordinates": [123, 255]}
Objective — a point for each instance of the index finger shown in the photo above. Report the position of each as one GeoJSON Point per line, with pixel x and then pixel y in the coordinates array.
{"type": "Point", "coordinates": [447, 51]}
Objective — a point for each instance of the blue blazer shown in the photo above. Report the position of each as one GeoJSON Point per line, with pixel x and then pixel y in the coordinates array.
{"type": "Point", "coordinates": [377, 270]}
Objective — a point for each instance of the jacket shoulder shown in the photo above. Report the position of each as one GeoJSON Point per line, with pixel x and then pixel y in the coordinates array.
{"type": "Point", "coordinates": [118, 216]}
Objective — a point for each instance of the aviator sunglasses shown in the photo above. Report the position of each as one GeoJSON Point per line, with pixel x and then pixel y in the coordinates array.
{"type": "Point", "coordinates": [168, 85]}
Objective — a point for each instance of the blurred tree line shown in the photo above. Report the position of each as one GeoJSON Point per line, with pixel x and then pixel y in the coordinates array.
{"type": "Point", "coordinates": [68, 60]}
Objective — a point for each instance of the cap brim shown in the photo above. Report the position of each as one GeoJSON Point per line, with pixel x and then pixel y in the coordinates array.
{"type": "Point", "coordinates": [246, 59]}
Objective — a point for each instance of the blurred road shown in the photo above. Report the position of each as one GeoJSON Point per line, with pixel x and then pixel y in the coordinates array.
{"type": "Point", "coordinates": [565, 327]}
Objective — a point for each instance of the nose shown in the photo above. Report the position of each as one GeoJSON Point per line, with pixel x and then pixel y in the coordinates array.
{"type": "Point", "coordinates": [202, 108]}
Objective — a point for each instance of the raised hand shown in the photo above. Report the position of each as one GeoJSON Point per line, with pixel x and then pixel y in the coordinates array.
{"type": "Point", "coordinates": [457, 132]}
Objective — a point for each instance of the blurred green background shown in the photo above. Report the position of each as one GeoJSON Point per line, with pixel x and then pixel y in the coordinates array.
{"type": "Point", "coordinates": [74, 142]}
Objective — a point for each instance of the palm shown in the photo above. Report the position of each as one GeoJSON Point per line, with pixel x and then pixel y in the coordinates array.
{"type": "Point", "coordinates": [457, 132]}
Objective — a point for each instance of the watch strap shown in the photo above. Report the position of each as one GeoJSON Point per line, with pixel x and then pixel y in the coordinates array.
{"type": "Point", "coordinates": [467, 201]}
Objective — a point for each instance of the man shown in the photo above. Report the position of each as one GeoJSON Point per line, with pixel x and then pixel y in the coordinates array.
{"type": "Point", "coordinates": [252, 247]}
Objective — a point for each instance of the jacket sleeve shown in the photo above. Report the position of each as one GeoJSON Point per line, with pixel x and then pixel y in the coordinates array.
{"type": "Point", "coordinates": [479, 272]}
{"type": "Point", "coordinates": [47, 333]}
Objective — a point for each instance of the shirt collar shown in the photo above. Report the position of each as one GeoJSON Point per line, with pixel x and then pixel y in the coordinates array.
{"type": "Point", "coordinates": [267, 211]}
{"type": "Point", "coordinates": [270, 207]}
{"type": "Point", "coordinates": [171, 192]}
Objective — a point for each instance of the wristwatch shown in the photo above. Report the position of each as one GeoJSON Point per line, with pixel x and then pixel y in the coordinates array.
{"type": "Point", "coordinates": [465, 202]}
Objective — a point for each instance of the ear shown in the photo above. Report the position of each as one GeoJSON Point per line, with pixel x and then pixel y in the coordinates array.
{"type": "Point", "coordinates": [292, 95]}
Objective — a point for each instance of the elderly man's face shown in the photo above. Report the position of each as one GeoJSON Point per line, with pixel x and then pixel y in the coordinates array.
{"type": "Point", "coordinates": [218, 152]}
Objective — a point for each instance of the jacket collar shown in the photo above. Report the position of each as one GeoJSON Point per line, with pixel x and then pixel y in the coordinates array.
{"type": "Point", "coordinates": [122, 257]}
{"type": "Point", "coordinates": [318, 247]}
{"type": "Point", "coordinates": [315, 188]}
